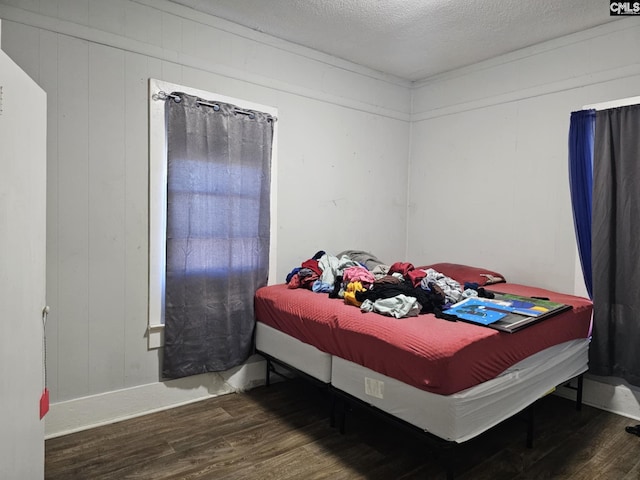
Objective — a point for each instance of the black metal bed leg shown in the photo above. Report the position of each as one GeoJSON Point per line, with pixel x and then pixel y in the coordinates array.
{"type": "Point", "coordinates": [338, 415]}
{"type": "Point", "coordinates": [530, 425]}
{"type": "Point", "coordinates": [447, 455]}
{"type": "Point", "coordinates": [342, 422]}
{"type": "Point", "coordinates": [579, 389]}
{"type": "Point", "coordinates": [332, 412]}
{"type": "Point", "coordinates": [449, 469]}
{"type": "Point", "coordinates": [579, 393]}
{"type": "Point", "coordinates": [268, 377]}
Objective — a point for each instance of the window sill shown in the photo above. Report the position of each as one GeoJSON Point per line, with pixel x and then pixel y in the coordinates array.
{"type": "Point", "coordinates": [155, 336]}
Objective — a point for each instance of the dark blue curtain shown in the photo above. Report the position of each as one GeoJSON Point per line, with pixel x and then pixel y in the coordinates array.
{"type": "Point", "coordinates": [581, 133]}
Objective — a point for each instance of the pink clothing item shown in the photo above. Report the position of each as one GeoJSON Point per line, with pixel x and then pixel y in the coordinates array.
{"type": "Point", "coordinates": [358, 274]}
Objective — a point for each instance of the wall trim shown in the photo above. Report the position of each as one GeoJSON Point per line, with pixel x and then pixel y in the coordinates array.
{"type": "Point", "coordinates": [93, 411]}
{"type": "Point", "coordinates": [621, 102]}
{"type": "Point", "coordinates": [104, 408]}
{"type": "Point", "coordinates": [583, 80]}
{"type": "Point", "coordinates": [109, 39]}
{"type": "Point", "coordinates": [610, 394]}
{"type": "Point", "coordinates": [532, 92]}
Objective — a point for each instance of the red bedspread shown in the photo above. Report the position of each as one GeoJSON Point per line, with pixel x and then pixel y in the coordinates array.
{"type": "Point", "coordinates": [427, 352]}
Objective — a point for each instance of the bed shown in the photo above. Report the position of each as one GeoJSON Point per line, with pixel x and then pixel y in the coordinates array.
{"type": "Point", "coordinates": [451, 379]}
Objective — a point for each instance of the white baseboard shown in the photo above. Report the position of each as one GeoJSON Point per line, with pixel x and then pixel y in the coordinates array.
{"type": "Point", "coordinates": [611, 395]}
{"type": "Point", "coordinates": [95, 410]}
{"type": "Point", "coordinates": [109, 407]}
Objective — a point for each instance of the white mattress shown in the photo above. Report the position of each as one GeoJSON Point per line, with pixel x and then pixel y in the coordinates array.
{"type": "Point", "coordinates": [290, 350]}
{"type": "Point", "coordinates": [466, 414]}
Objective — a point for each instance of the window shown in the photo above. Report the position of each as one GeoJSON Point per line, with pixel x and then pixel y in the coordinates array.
{"type": "Point", "coordinates": [158, 197]}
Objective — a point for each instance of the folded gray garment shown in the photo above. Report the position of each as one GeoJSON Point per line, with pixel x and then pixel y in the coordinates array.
{"type": "Point", "coordinates": [367, 259]}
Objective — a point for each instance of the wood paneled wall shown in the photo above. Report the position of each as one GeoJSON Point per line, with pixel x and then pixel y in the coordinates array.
{"type": "Point", "coordinates": [342, 127]}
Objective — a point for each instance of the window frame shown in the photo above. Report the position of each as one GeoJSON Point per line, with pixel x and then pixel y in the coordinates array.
{"type": "Point", "coordinates": [158, 196]}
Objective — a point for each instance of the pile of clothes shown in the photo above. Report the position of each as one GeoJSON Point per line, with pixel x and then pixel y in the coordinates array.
{"type": "Point", "coordinates": [397, 290]}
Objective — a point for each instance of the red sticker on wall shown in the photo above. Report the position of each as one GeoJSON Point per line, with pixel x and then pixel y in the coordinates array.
{"type": "Point", "coordinates": [44, 403]}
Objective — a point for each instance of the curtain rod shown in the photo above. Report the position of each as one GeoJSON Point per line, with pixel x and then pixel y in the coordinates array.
{"type": "Point", "coordinates": [161, 95]}
{"type": "Point", "coordinates": [623, 102]}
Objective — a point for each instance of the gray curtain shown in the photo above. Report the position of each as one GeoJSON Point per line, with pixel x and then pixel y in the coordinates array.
{"type": "Point", "coordinates": [616, 245]}
{"type": "Point", "coordinates": [218, 185]}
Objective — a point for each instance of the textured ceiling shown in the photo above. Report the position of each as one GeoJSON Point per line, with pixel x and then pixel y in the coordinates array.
{"type": "Point", "coordinates": [411, 39]}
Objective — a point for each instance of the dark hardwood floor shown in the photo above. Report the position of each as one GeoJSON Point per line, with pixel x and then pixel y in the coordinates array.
{"type": "Point", "coordinates": [282, 432]}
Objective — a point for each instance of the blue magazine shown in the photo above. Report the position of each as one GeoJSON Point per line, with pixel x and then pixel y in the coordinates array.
{"type": "Point", "coordinates": [506, 312]}
{"type": "Point", "coordinates": [477, 310]}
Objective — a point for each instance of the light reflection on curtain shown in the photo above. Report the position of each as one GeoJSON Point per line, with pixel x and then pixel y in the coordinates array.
{"type": "Point", "coordinates": [218, 189]}
{"type": "Point", "coordinates": [616, 245]}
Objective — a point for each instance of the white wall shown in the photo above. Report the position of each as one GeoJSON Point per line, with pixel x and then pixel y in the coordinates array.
{"type": "Point", "coordinates": [489, 173]}
{"type": "Point", "coordinates": [342, 160]}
